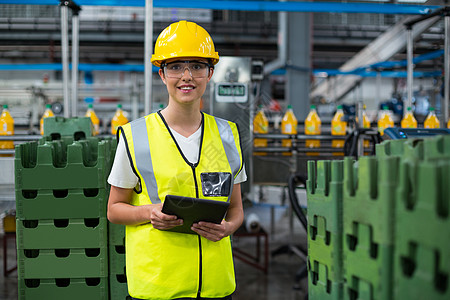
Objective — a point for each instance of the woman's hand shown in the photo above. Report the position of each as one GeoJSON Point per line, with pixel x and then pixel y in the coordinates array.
{"type": "Point", "coordinates": [211, 231]}
{"type": "Point", "coordinates": [233, 219]}
{"type": "Point", "coordinates": [120, 211]}
{"type": "Point", "coordinates": [162, 221]}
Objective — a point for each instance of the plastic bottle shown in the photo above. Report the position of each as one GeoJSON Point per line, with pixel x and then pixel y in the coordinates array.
{"type": "Point", "coordinates": [288, 126]}
{"type": "Point", "coordinates": [119, 119]}
{"type": "Point", "coordinates": [47, 113]}
{"type": "Point", "coordinates": [6, 128]}
{"type": "Point", "coordinates": [338, 127]}
{"type": "Point", "coordinates": [431, 121]}
{"type": "Point", "coordinates": [260, 125]}
{"type": "Point", "coordinates": [408, 120]}
{"type": "Point", "coordinates": [385, 120]}
{"type": "Point", "coordinates": [312, 127]}
{"type": "Point", "coordinates": [94, 119]}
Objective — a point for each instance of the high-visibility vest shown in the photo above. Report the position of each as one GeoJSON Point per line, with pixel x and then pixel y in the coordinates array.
{"type": "Point", "coordinates": [168, 265]}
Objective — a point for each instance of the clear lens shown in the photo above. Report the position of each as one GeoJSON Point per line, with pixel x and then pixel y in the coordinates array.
{"type": "Point", "coordinates": [196, 69]}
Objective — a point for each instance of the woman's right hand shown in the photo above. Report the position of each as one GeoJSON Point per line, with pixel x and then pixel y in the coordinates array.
{"type": "Point", "coordinates": [161, 220]}
{"type": "Point", "coordinates": [120, 211]}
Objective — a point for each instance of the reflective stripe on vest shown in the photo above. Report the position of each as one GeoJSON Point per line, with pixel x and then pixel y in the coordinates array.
{"type": "Point", "coordinates": [227, 137]}
{"type": "Point", "coordinates": [140, 141]}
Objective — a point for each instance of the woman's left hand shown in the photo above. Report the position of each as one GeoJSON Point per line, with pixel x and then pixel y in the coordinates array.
{"type": "Point", "coordinates": [211, 231]}
{"type": "Point", "coordinates": [234, 218]}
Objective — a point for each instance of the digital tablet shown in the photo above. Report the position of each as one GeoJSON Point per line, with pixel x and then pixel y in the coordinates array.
{"type": "Point", "coordinates": [194, 210]}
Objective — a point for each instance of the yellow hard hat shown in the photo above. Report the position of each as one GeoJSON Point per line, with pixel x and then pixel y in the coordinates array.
{"type": "Point", "coordinates": [184, 39]}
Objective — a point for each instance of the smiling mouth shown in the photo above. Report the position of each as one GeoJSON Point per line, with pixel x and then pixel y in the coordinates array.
{"type": "Point", "coordinates": [186, 88]}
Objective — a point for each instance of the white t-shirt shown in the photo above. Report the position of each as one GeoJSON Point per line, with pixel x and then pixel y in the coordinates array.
{"type": "Point", "coordinates": [122, 174]}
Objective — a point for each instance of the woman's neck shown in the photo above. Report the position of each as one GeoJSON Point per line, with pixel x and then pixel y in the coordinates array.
{"type": "Point", "coordinates": [183, 119]}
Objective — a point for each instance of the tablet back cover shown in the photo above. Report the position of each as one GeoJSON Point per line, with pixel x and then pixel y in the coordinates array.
{"type": "Point", "coordinates": [193, 210]}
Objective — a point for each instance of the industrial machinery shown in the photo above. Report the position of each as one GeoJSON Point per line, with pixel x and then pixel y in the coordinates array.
{"type": "Point", "coordinates": [232, 100]}
{"type": "Point", "coordinates": [405, 133]}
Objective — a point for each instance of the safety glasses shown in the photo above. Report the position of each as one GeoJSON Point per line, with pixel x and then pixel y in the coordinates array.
{"type": "Point", "coordinates": [176, 69]}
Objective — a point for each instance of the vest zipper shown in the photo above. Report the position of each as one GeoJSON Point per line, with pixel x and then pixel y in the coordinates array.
{"type": "Point", "coordinates": [200, 258]}
{"type": "Point", "coordinates": [195, 182]}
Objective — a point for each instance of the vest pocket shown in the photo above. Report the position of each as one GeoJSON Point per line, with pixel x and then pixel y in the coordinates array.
{"type": "Point", "coordinates": [216, 184]}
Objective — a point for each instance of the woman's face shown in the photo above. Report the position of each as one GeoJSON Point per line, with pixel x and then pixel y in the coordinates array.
{"type": "Point", "coordinates": [188, 89]}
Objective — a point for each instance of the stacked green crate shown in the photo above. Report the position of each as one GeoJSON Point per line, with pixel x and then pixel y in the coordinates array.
{"type": "Point", "coordinates": [77, 127]}
{"type": "Point", "coordinates": [368, 218]}
{"type": "Point", "coordinates": [395, 223]}
{"type": "Point", "coordinates": [61, 195]}
{"type": "Point", "coordinates": [422, 253]}
{"type": "Point", "coordinates": [325, 278]}
{"type": "Point", "coordinates": [117, 276]}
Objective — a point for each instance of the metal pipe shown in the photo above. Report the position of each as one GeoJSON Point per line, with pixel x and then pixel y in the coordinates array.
{"type": "Point", "coordinates": [276, 136]}
{"type": "Point", "coordinates": [65, 58]}
{"type": "Point", "coordinates": [290, 6]}
{"type": "Point", "coordinates": [134, 97]}
{"type": "Point", "coordinates": [378, 84]}
{"type": "Point", "coordinates": [300, 150]}
{"type": "Point", "coordinates": [360, 149]}
{"type": "Point", "coordinates": [251, 116]}
{"type": "Point", "coordinates": [445, 105]}
{"type": "Point", "coordinates": [75, 55]}
{"type": "Point", "coordinates": [280, 61]}
{"type": "Point", "coordinates": [148, 51]}
{"type": "Point", "coordinates": [20, 137]}
{"type": "Point", "coordinates": [427, 16]}
{"type": "Point", "coordinates": [7, 151]}
{"type": "Point", "coordinates": [410, 66]}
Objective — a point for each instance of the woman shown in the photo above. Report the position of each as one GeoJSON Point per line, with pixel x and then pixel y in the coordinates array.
{"type": "Point", "coordinates": [178, 151]}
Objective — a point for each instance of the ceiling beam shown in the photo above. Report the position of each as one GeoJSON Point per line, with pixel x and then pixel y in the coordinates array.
{"type": "Point", "coordinates": [292, 6]}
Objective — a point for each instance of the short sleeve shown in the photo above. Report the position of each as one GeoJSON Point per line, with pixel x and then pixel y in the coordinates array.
{"type": "Point", "coordinates": [122, 174]}
{"type": "Point", "coordinates": [241, 176]}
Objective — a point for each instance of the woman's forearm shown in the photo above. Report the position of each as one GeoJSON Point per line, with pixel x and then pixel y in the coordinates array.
{"type": "Point", "coordinates": [120, 211]}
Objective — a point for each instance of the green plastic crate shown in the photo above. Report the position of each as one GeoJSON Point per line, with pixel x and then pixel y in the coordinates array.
{"type": "Point", "coordinates": [61, 204]}
{"type": "Point", "coordinates": [77, 127]}
{"type": "Point", "coordinates": [411, 149]}
{"type": "Point", "coordinates": [325, 192]}
{"type": "Point", "coordinates": [368, 269]}
{"type": "Point", "coordinates": [368, 226]}
{"type": "Point", "coordinates": [62, 263]}
{"type": "Point", "coordinates": [117, 273]}
{"type": "Point", "coordinates": [437, 147]}
{"type": "Point", "coordinates": [61, 233]}
{"type": "Point", "coordinates": [117, 260]}
{"type": "Point", "coordinates": [422, 274]}
{"type": "Point", "coordinates": [64, 288]}
{"type": "Point", "coordinates": [421, 257]}
{"type": "Point", "coordinates": [89, 144]}
{"type": "Point", "coordinates": [44, 168]}
{"type": "Point", "coordinates": [390, 148]}
{"type": "Point", "coordinates": [116, 234]}
{"type": "Point", "coordinates": [319, 284]}
{"type": "Point", "coordinates": [118, 288]}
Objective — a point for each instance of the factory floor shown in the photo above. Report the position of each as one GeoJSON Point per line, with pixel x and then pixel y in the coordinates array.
{"type": "Point", "coordinates": [252, 283]}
